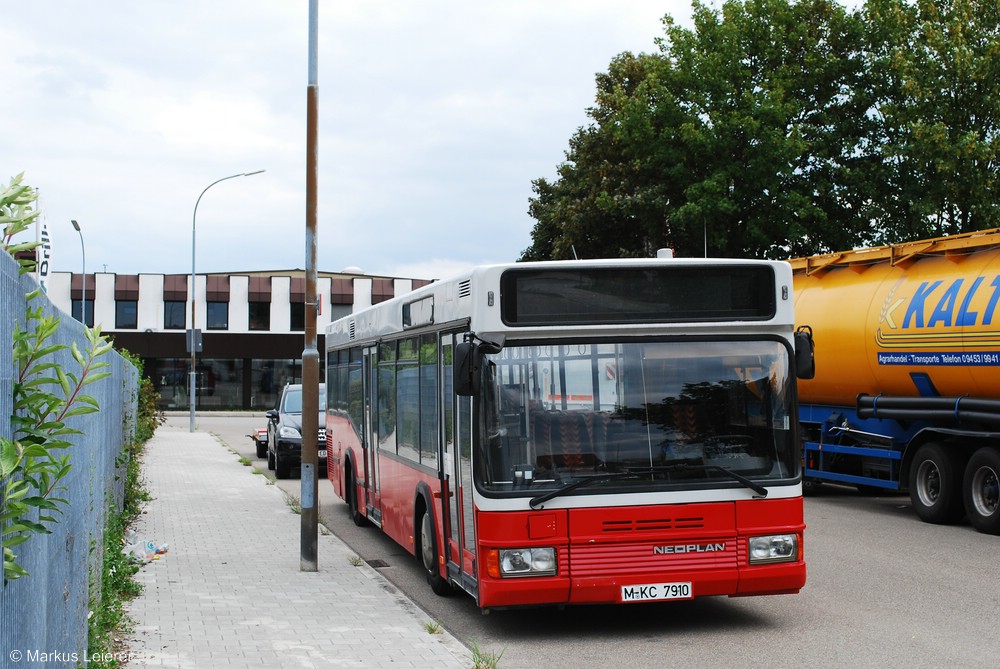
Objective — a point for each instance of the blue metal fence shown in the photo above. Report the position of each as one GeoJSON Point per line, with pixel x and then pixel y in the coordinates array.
{"type": "Point", "coordinates": [43, 616]}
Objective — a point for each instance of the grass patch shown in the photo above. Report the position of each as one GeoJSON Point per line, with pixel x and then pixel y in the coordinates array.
{"type": "Point", "coordinates": [108, 624]}
{"type": "Point", "coordinates": [482, 659]}
{"type": "Point", "coordinates": [433, 627]}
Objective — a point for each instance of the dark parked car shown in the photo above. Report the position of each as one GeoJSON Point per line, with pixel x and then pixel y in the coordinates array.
{"type": "Point", "coordinates": [284, 432]}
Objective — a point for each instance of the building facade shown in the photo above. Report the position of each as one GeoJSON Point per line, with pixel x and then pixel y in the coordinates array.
{"type": "Point", "coordinates": [252, 326]}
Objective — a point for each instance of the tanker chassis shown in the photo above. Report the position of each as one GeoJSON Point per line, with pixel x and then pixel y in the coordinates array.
{"type": "Point", "coordinates": [906, 393]}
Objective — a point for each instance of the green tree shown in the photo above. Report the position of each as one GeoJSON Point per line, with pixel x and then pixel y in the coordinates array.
{"type": "Point", "coordinates": [740, 138]}
{"type": "Point", "coordinates": [935, 94]}
{"type": "Point", "coordinates": [606, 201]}
{"type": "Point", "coordinates": [774, 126]}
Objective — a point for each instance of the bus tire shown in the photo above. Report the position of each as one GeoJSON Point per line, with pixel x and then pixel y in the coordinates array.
{"type": "Point", "coordinates": [981, 490]}
{"type": "Point", "coordinates": [351, 493]}
{"type": "Point", "coordinates": [936, 484]}
{"type": "Point", "coordinates": [430, 555]}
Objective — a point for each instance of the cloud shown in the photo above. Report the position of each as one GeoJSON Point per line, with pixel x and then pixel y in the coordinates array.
{"type": "Point", "coordinates": [434, 118]}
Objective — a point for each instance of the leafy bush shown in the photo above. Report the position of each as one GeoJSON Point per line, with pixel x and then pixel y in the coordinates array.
{"type": "Point", "coordinates": [45, 395]}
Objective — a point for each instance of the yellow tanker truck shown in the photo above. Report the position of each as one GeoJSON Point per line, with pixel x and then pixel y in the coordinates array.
{"type": "Point", "coordinates": [906, 394]}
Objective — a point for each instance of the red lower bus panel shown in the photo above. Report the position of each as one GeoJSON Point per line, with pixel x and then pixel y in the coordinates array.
{"type": "Point", "coordinates": [702, 544]}
{"type": "Point", "coordinates": [772, 516]}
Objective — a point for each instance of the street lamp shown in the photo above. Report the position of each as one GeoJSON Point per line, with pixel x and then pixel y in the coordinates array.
{"type": "Point", "coordinates": [194, 220]}
{"type": "Point", "coordinates": [83, 249]}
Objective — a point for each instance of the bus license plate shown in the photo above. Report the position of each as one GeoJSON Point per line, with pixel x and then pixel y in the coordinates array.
{"type": "Point", "coordinates": [653, 592]}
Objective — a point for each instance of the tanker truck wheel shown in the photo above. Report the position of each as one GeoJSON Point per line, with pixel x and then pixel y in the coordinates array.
{"type": "Point", "coordinates": [809, 485]}
{"type": "Point", "coordinates": [981, 488]}
{"type": "Point", "coordinates": [936, 484]}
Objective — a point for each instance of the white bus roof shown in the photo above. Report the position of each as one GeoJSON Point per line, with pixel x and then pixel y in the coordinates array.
{"type": "Point", "coordinates": [474, 297]}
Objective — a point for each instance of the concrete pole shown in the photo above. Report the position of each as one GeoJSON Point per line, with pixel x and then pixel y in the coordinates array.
{"type": "Point", "coordinates": [310, 354]}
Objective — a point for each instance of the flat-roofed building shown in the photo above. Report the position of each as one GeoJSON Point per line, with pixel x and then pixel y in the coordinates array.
{"type": "Point", "coordinates": [252, 325]}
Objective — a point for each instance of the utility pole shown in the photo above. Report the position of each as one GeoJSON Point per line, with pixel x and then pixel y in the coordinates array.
{"type": "Point", "coordinates": [310, 354]}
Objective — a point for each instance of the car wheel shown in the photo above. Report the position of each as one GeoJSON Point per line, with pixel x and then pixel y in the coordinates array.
{"type": "Point", "coordinates": [280, 467]}
{"type": "Point", "coordinates": [270, 459]}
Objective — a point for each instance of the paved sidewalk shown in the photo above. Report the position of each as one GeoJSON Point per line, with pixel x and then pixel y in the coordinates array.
{"type": "Point", "coordinates": [229, 592]}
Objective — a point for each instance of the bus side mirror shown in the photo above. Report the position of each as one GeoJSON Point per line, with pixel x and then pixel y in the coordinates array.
{"type": "Point", "coordinates": [805, 359]}
{"type": "Point", "coordinates": [468, 360]}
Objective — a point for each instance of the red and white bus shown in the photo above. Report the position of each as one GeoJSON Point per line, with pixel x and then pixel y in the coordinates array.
{"type": "Point", "coordinates": [579, 432]}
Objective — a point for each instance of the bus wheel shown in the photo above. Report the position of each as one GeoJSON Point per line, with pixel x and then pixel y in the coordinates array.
{"type": "Point", "coordinates": [429, 555]}
{"type": "Point", "coordinates": [981, 488]}
{"type": "Point", "coordinates": [936, 484]}
{"type": "Point", "coordinates": [351, 492]}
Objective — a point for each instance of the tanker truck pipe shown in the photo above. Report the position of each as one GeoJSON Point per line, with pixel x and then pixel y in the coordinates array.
{"type": "Point", "coordinates": [963, 409]}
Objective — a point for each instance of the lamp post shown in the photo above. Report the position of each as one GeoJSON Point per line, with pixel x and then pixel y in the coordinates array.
{"type": "Point", "coordinates": [192, 340]}
{"type": "Point", "coordinates": [83, 250]}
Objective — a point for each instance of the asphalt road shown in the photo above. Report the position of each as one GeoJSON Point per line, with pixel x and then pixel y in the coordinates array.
{"type": "Point", "coordinates": [884, 590]}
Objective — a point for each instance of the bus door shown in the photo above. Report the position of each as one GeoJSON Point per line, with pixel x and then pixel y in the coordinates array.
{"type": "Point", "coordinates": [370, 440]}
{"type": "Point", "coordinates": [457, 477]}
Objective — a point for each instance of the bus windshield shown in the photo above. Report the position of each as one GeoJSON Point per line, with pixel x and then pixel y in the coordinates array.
{"type": "Point", "coordinates": [662, 415]}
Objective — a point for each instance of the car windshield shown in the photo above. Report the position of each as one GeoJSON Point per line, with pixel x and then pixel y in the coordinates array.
{"type": "Point", "coordinates": [654, 414]}
{"type": "Point", "coordinates": [292, 402]}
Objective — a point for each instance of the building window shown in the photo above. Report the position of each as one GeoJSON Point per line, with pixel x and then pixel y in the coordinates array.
{"type": "Point", "coordinates": [173, 316]}
{"type": "Point", "coordinates": [126, 301]}
{"type": "Point", "coordinates": [126, 314]}
{"type": "Point", "coordinates": [339, 311]}
{"type": "Point", "coordinates": [78, 312]}
{"type": "Point", "coordinates": [260, 315]}
{"type": "Point", "coordinates": [218, 315]}
{"type": "Point", "coordinates": [298, 316]}
{"type": "Point", "coordinates": [268, 377]}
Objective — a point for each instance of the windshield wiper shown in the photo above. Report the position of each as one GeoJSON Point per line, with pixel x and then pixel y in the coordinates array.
{"type": "Point", "coordinates": [645, 471]}
{"type": "Point", "coordinates": [578, 483]}
{"type": "Point", "coordinates": [682, 466]}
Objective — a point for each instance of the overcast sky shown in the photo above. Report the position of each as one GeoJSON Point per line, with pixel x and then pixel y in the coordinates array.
{"type": "Point", "coordinates": [434, 116]}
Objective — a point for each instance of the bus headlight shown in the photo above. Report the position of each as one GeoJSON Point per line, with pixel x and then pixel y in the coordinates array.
{"type": "Point", "coordinates": [774, 548]}
{"type": "Point", "coordinates": [525, 561]}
